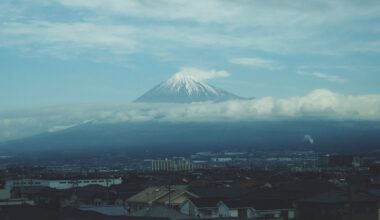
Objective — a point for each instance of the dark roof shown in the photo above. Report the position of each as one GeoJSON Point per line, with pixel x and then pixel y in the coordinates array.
{"type": "Point", "coordinates": [127, 187]}
{"type": "Point", "coordinates": [341, 197]}
{"type": "Point", "coordinates": [89, 192]}
{"type": "Point", "coordinates": [205, 202]}
{"type": "Point", "coordinates": [160, 211]}
{"type": "Point", "coordinates": [27, 212]}
{"type": "Point", "coordinates": [258, 204]}
{"type": "Point", "coordinates": [268, 194]}
{"type": "Point", "coordinates": [375, 192]}
{"type": "Point", "coordinates": [263, 204]}
{"type": "Point", "coordinates": [303, 189]}
{"type": "Point", "coordinates": [125, 195]}
{"type": "Point", "coordinates": [106, 196]}
{"type": "Point", "coordinates": [76, 214]}
{"type": "Point", "coordinates": [218, 192]}
{"type": "Point", "coordinates": [221, 218]}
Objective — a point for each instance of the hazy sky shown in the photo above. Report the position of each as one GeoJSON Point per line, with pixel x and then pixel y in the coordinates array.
{"type": "Point", "coordinates": [55, 52]}
{"type": "Point", "coordinates": [65, 62]}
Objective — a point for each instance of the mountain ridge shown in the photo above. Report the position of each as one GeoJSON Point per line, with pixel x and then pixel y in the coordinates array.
{"type": "Point", "coordinates": [177, 138]}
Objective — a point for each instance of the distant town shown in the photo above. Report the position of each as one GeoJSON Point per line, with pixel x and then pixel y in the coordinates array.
{"type": "Point", "coordinates": [204, 185]}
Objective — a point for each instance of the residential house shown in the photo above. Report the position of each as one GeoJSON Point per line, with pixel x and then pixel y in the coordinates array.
{"type": "Point", "coordinates": [201, 207]}
{"type": "Point", "coordinates": [338, 205]}
{"type": "Point", "coordinates": [173, 196]}
{"type": "Point", "coordinates": [161, 211]}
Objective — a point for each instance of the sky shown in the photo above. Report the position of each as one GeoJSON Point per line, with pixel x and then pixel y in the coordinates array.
{"type": "Point", "coordinates": [82, 53]}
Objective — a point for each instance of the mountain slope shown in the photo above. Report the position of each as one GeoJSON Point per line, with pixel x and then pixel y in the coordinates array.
{"type": "Point", "coordinates": [165, 139]}
{"type": "Point", "coordinates": [185, 89]}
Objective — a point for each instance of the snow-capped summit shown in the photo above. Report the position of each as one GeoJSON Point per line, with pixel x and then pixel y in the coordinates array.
{"type": "Point", "coordinates": [182, 88]}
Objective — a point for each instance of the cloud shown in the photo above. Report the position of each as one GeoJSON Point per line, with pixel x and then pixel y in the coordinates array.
{"type": "Point", "coordinates": [62, 39]}
{"type": "Point", "coordinates": [325, 76]}
{"type": "Point", "coordinates": [121, 27]}
{"type": "Point", "coordinates": [199, 11]}
{"type": "Point", "coordinates": [319, 104]}
{"type": "Point", "coordinates": [256, 63]}
{"type": "Point", "coordinates": [201, 74]}
{"type": "Point", "coordinates": [214, 11]}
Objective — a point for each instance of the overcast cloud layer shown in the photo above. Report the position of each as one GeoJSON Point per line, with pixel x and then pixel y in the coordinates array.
{"type": "Point", "coordinates": [317, 105]}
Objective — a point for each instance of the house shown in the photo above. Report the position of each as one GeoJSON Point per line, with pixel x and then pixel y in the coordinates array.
{"type": "Point", "coordinates": [200, 207]}
{"type": "Point", "coordinates": [257, 209]}
{"type": "Point", "coordinates": [339, 205]}
{"type": "Point", "coordinates": [237, 208]}
{"type": "Point", "coordinates": [160, 211]}
{"type": "Point", "coordinates": [109, 210]}
{"type": "Point", "coordinates": [173, 196]}
{"type": "Point", "coordinates": [92, 195]}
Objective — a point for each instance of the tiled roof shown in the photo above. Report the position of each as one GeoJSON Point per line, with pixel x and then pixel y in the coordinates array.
{"type": "Point", "coordinates": [159, 194]}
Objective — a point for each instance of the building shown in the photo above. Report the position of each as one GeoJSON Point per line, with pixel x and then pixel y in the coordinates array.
{"type": "Point", "coordinates": [200, 207]}
{"type": "Point", "coordinates": [237, 208]}
{"type": "Point", "coordinates": [173, 165]}
{"type": "Point", "coordinates": [63, 183]}
{"type": "Point", "coordinates": [172, 196]}
{"type": "Point", "coordinates": [160, 211]}
{"type": "Point", "coordinates": [339, 205]}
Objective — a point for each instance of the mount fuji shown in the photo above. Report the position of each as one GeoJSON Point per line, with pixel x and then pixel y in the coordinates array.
{"type": "Point", "coordinates": [182, 88]}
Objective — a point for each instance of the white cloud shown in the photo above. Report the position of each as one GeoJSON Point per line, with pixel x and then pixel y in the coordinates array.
{"type": "Point", "coordinates": [325, 76]}
{"type": "Point", "coordinates": [319, 104]}
{"type": "Point", "coordinates": [162, 27]}
{"type": "Point", "coordinates": [247, 13]}
{"type": "Point", "coordinates": [68, 38]}
{"type": "Point", "coordinates": [199, 11]}
{"type": "Point", "coordinates": [256, 63]}
{"type": "Point", "coordinates": [201, 74]}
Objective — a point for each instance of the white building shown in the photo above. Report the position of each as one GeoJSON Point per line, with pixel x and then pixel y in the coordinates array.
{"type": "Point", "coordinates": [64, 183]}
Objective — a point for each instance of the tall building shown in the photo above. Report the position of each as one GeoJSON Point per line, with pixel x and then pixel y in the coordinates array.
{"type": "Point", "coordinates": [172, 165]}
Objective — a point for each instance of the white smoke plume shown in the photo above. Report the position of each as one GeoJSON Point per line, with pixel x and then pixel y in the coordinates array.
{"type": "Point", "coordinates": [308, 138]}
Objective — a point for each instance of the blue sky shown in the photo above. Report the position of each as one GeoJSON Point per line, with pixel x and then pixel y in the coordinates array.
{"type": "Point", "coordinates": [63, 62]}
{"type": "Point", "coordinates": [92, 51]}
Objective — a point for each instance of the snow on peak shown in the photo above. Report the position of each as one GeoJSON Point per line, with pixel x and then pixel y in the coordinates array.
{"type": "Point", "coordinates": [187, 86]}
{"type": "Point", "coordinates": [189, 83]}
